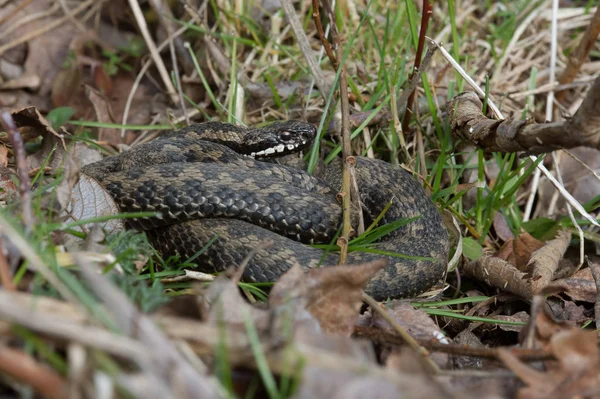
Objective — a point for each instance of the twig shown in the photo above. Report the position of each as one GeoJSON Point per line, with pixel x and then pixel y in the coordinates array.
{"type": "Point", "coordinates": [468, 79]}
{"type": "Point", "coordinates": [10, 127]}
{"type": "Point", "coordinates": [14, 11]}
{"type": "Point", "coordinates": [139, 77]}
{"type": "Point", "coordinates": [322, 35]}
{"type": "Point", "coordinates": [385, 337]}
{"type": "Point", "coordinates": [162, 70]}
{"type": "Point", "coordinates": [578, 57]}
{"type": "Point", "coordinates": [57, 22]}
{"type": "Point", "coordinates": [304, 45]}
{"type": "Point", "coordinates": [427, 11]}
{"type": "Point", "coordinates": [163, 13]}
{"type": "Point", "coordinates": [416, 77]}
{"type": "Point", "coordinates": [25, 369]}
{"type": "Point", "coordinates": [587, 130]}
{"type": "Point", "coordinates": [552, 77]}
{"type": "Point", "coordinates": [408, 339]}
{"type": "Point", "coordinates": [346, 191]}
{"type": "Point", "coordinates": [140, 327]}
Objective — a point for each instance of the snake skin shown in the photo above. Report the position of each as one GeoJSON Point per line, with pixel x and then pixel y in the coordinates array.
{"type": "Point", "coordinates": [201, 188]}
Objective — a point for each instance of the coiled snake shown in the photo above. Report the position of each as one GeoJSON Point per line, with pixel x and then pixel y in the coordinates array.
{"type": "Point", "coordinates": [204, 180]}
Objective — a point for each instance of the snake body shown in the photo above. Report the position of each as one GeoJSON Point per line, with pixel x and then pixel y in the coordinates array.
{"type": "Point", "coordinates": [204, 181]}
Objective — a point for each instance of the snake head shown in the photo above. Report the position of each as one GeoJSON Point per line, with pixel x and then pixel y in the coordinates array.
{"type": "Point", "coordinates": [279, 138]}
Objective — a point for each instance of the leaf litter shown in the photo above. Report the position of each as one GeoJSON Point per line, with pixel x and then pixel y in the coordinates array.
{"type": "Point", "coordinates": [314, 336]}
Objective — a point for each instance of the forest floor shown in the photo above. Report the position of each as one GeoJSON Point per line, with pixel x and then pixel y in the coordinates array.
{"type": "Point", "coordinates": [97, 312]}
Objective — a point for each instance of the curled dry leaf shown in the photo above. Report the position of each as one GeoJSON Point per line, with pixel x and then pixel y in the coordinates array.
{"type": "Point", "coordinates": [541, 265]}
{"type": "Point", "coordinates": [518, 251]}
{"type": "Point", "coordinates": [333, 295]}
{"type": "Point", "coordinates": [39, 126]}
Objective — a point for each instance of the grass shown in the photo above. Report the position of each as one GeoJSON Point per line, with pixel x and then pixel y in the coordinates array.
{"type": "Point", "coordinates": [379, 50]}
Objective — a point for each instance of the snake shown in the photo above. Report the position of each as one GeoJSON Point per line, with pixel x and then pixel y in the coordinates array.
{"type": "Point", "coordinates": [217, 195]}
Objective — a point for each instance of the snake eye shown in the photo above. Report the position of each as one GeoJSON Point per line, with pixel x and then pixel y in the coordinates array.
{"type": "Point", "coordinates": [285, 136]}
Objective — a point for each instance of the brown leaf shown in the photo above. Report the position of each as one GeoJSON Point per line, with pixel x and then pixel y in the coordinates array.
{"type": "Point", "coordinates": [580, 286]}
{"type": "Point", "coordinates": [577, 374]}
{"type": "Point", "coordinates": [524, 246]}
{"type": "Point", "coordinates": [66, 85]}
{"type": "Point", "coordinates": [104, 114]}
{"type": "Point", "coordinates": [502, 228]}
{"type": "Point", "coordinates": [103, 81]}
{"type": "Point", "coordinates": [39, 126]}
{"type": "Point", "coordinates": [333, 295]}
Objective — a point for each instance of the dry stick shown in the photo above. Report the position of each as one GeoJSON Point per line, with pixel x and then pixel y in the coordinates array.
{"type": "Point", "coordinates": [416, 77]}
{"type": "Point", "coordinates": [408, 339]}
{"type": "Point", "coordinates": [349, 160]}
{"type": "Point", "coordinates": [386, 337]}
{"type": "Point", "coordinates": [25, 369]}
{"type": "Point", "coordinates": [578, 57]}
{"type": "Point", "coordinates": [46, 28]}
{"type": "Point", "coordinates": [162, 70]}
{"type": "Point", "coordinates": [162, 14]}
{"type": "Point", "coordinates": [570, 199]}
{"type": "Point", "coordinates": [596, 276]}
{"type": "Point", "coordinates": [140, 327]}
{"type": "Point", "coordinates": [10, 127]}
{"type": "Point", "coordinates": [15, 11]}
{"type": "Point", "coordinates": [322, 35]}
{"type": "Point", "coordinates": [427, 11]}
{"type": "Point", "coordinates": [139, 77]}
{"type": "Point", "coordinates": [304, 45]}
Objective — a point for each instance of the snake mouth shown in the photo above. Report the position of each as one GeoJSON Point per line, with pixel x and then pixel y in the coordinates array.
{"type": "Point", "coordinates": [281, 149]}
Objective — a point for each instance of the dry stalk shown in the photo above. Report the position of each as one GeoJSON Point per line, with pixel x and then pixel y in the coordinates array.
{"type": "Point", "coordinates": [10, 127]}
{"type": "Point", "coordinates": [427, 11]}
{"type": "Point", "coordinates": [305, 48]}
{"type": "Point", "coordinates": [578, 57]}
{"type": "Point", "coordinates": [162, 69]}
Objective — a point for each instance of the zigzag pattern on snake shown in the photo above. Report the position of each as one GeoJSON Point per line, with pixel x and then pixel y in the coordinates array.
{"type": "Point", "coordinates": [201, 187]}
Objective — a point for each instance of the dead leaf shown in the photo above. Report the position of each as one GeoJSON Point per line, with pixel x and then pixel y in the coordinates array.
{"type": "Point", "coordinates": [500, 271]}
{"type": "Point", "coordinates": [519, 250]}
{"type": "Point", "coordinates": [104, 114]}
{"type": "Point", "coordinates": [580, 286]}
{"type": "Point", "coordinates": [66, 85]}
{"type": "Point", "coordinates": [577, 374]}
{"type": "Point", "coordinates": [88, 200]}
{"type": "Point", "coordinates": [333, 295]}
{"type": "Point", "coordinates": [226, 305]}
{"type": "Point", "coordinates": [502, 228]}
{"type": "Point", "coordinates": [38, 125]}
